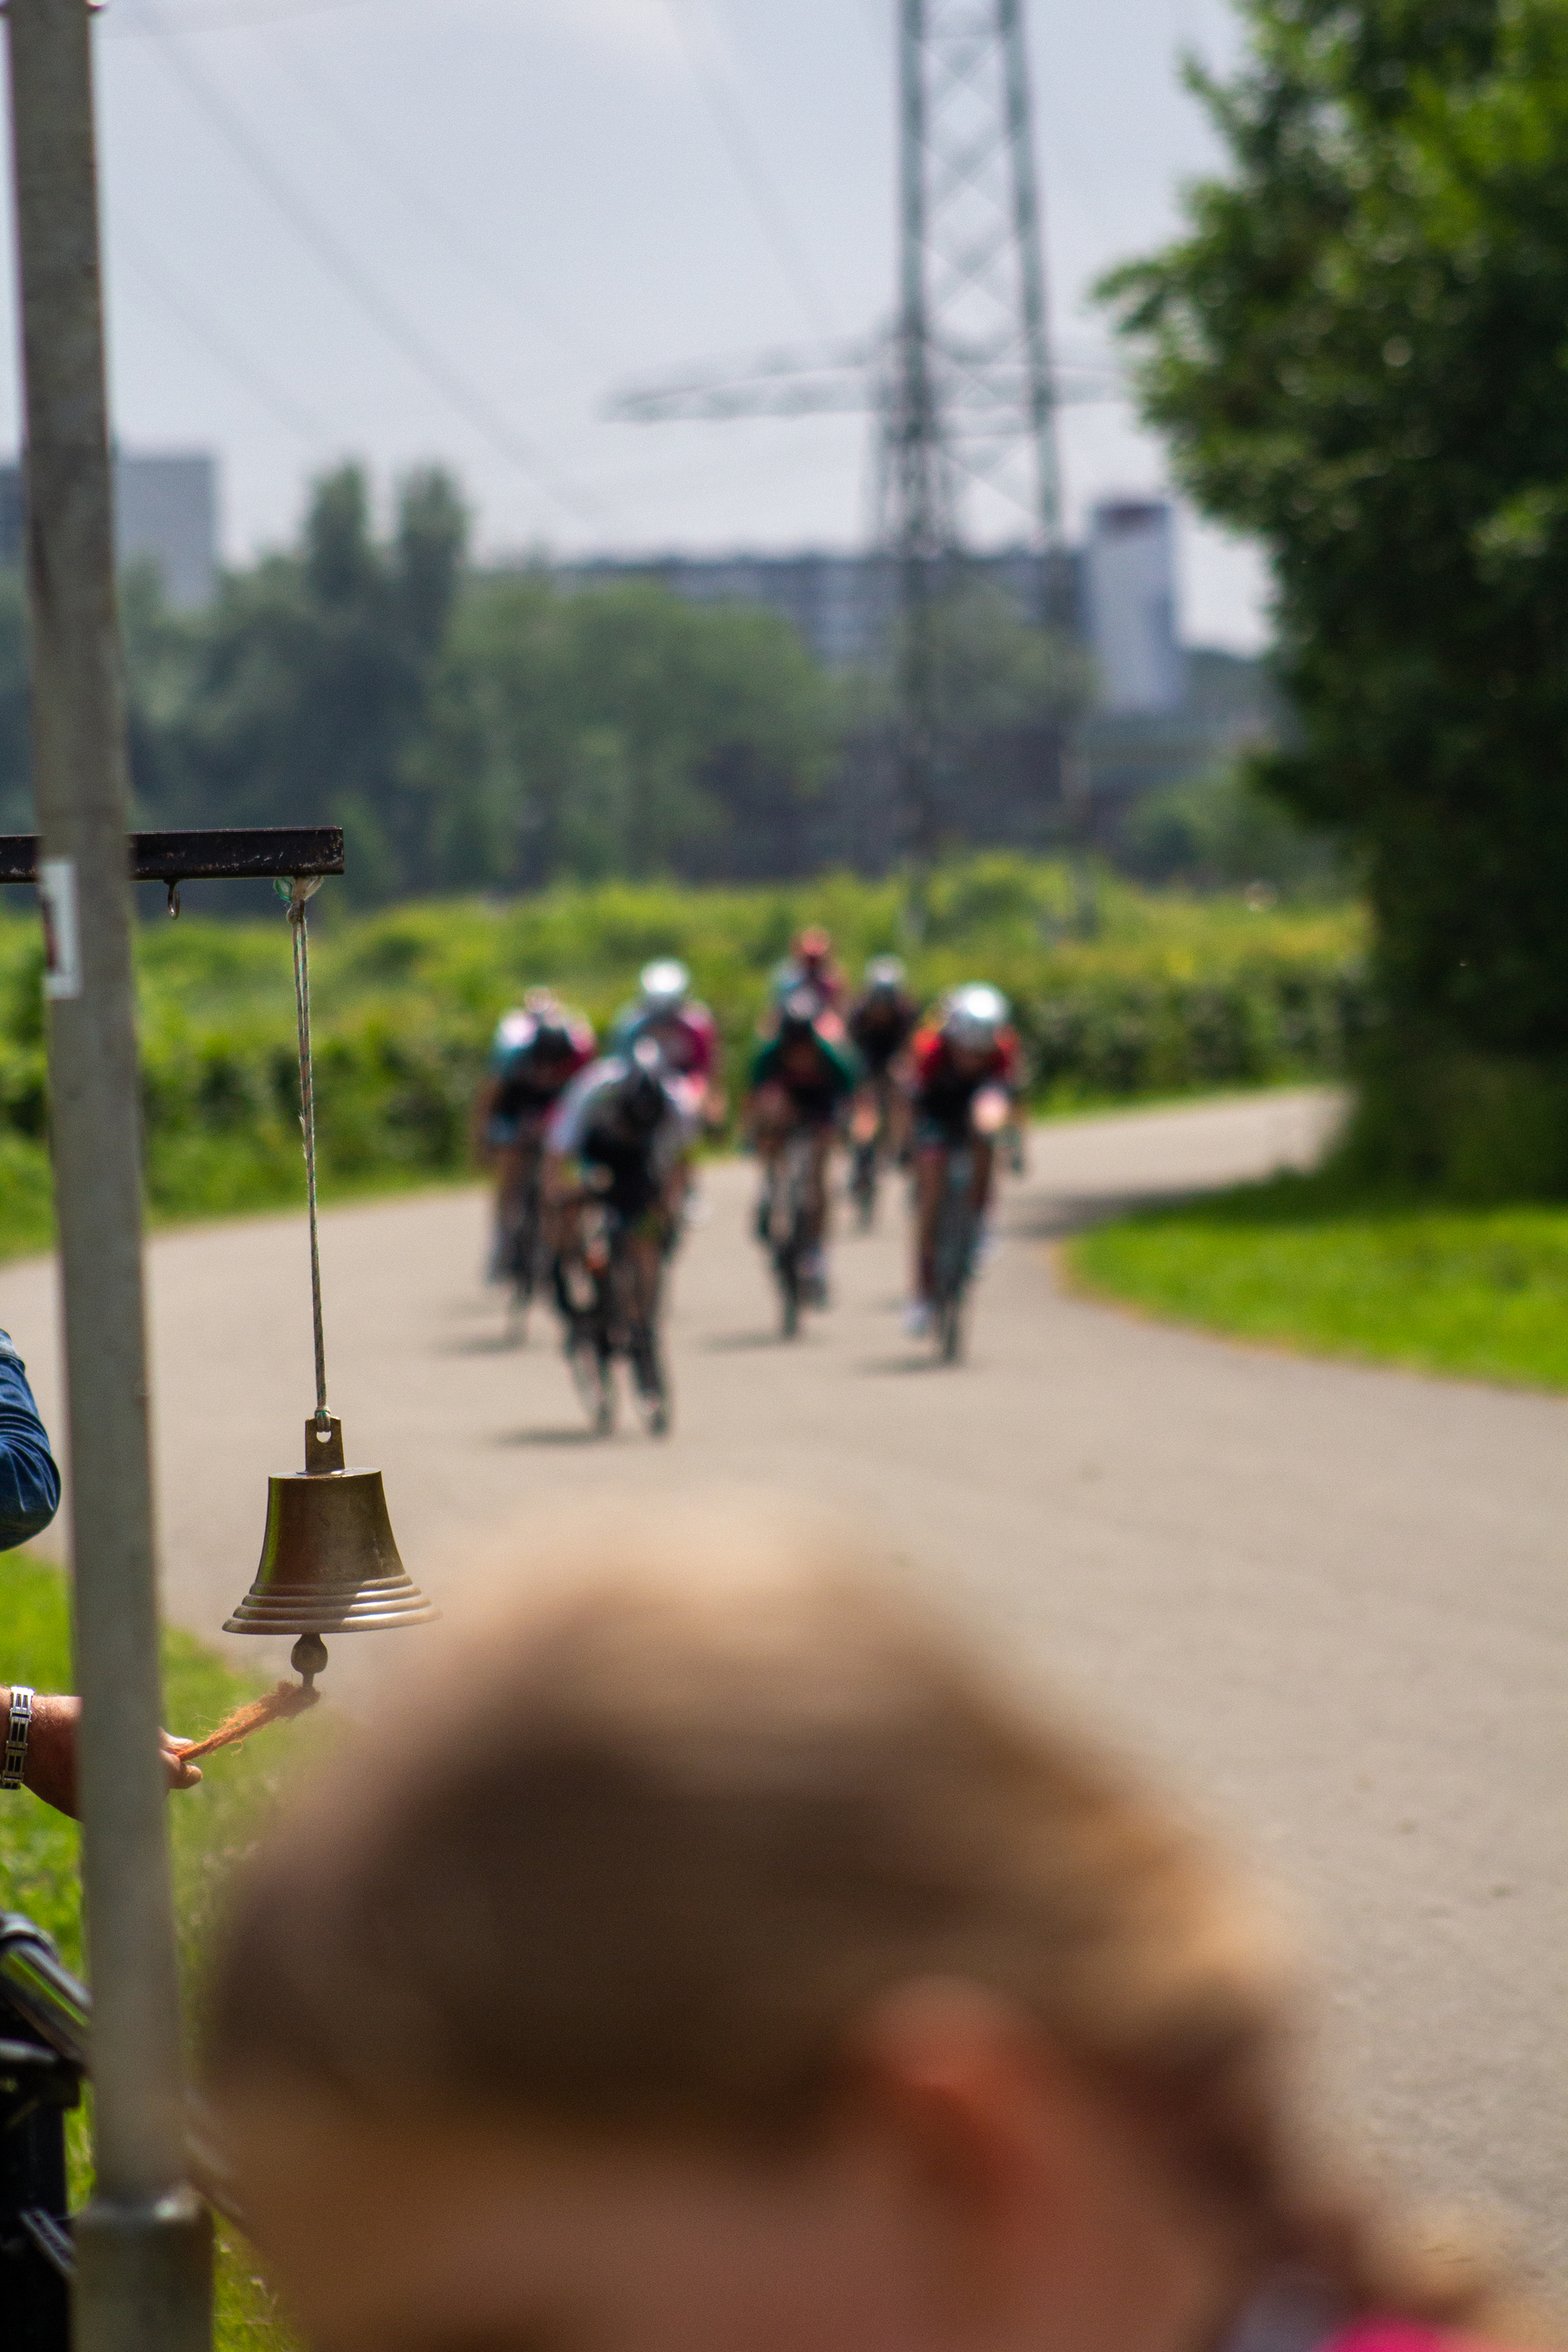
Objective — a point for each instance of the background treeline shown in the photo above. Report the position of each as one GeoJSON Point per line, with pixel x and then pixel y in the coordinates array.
{"type": "Point", "coordinates": [1168, 996]}
{"type": "Point", "coordinates": [498, 730]}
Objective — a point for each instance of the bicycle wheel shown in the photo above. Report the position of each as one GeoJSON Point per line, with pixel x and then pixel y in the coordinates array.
{"type": "Point", "coordinates": [650, 1380]}
{"type": "Point", "coordinates": [863, 1185]}
{"type": "Point", "coordinates": [954, 1261]}
{"type": "Point", "coordinates": [786, 1272]}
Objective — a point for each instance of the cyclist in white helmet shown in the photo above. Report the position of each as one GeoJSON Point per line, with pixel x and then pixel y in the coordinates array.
{"type": "Point", "coordinates": [685, 1032]}
{"type": "Point", "coordinates": [966, 1075]}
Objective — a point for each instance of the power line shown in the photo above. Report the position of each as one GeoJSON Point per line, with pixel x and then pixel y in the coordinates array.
{"type": "Point", "coordinates": [410, 190]}
{"type": "Point", "coordinates": [399, 331]}
{"type": "Point", "coordinates": [753, 174]}
{"type": "Point", "coordinates": [214, 337]}
{"type": "Point", "coordinates": [225, 20]}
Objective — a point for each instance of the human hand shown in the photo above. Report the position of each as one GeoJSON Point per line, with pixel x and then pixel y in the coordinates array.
{"type": "Point", "coordinates": [50, 1769]}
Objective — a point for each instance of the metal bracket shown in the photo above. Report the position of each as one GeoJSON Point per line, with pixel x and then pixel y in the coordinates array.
{"type": "Point", "coordinates": [232, 853]}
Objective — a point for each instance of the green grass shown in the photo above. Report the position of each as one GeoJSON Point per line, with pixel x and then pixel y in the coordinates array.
{"type": "Point", "coordinates": [1303, 1261]}
{"type": "Point", "coordinates": [209, 1826]}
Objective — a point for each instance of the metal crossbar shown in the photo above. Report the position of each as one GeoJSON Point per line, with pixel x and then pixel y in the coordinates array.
{"type": "Point", "coordinates": [232, 853]}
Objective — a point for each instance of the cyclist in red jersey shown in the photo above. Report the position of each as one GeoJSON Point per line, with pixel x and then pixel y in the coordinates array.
{"type": "Point", "coordinates": [966, 1071]}
{"type": "Point", "coordinates": [809, 970]}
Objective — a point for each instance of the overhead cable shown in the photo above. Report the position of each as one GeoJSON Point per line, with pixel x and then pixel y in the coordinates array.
{"type": "Point", "coordinates": [753, 174]}
{"type": "Point", "coordinates": [214, 337]}
{"type": "Point", "coordinates": [222, 20]}
{"type": "Point", "coordinates": [399, 331]}
{"type": "Point", "coordinates": [411, 190]}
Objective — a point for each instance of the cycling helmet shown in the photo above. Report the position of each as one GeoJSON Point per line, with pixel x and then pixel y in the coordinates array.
{"type": "Point", "coordinates": [540, 1001]}
{"type": "Point", "coordinates": [797, 1015]}
{"type": "Point", "coordinates": [884, 974]}
{"type": "Point", "coordinates": [974, 1016]}
{"type": "Point", "coordinates": [666, 985]}
{"type": "Point", "coordinates": [640, 1097]}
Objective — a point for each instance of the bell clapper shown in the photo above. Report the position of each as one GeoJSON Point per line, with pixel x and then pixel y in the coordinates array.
{"type": "Point", "coordinates": [308, 1657]}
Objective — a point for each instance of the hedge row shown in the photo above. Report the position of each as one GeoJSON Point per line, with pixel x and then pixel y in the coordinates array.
{"type": "Point", "coordinates": [393, 1095]}
{"type": "Point", "coordinates": [1169, 997]}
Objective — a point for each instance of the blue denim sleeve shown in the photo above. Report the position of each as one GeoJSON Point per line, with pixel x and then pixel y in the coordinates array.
{"type": "Point", "coordinates": [29, 1482]}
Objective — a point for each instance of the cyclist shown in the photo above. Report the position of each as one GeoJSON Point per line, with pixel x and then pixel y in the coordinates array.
{"type": "Point", "coordinates": [685, 1032]}
{"type": "Point", "coordinates": [965, 1075]}
{"type": "Point", "coordinates": [809, 968]}
{"type": "Point", "coordinates": [537, 1051]}
{"type": "Point", "coordinates": [881, 1021]}
{"type": "Point", "coordinates": [620, 1135]}
{"type": "Point", "coordinates": [803, 1077]}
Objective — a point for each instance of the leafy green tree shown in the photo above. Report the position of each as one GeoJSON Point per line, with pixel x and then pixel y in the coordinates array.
{"type": "Point", "coordinates": [615, 730]}
{"type": "Point", "coordinates": [1358, 351]}
{"type": "Point", "coordinates": [309, 682]}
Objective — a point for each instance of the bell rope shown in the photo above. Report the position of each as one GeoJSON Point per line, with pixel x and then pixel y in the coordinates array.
{"type": "Point", "coordinates": [301, 891]}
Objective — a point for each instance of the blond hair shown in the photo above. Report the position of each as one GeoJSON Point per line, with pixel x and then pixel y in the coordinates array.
{"type": "Point", "coordinates": [646, 1854]}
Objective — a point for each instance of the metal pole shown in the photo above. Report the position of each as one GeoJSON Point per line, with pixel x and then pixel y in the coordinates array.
{"type": "Point", "coordinates": [144, 2274]}
{"type": "Point", "coordinates": [1031, 269]}
{"type": "Point", "coordinates": [917, 465]}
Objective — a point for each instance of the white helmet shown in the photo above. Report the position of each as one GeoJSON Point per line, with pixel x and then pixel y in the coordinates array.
{"type": "Point", "coordinates": [885, 972]}
{"type": "Point", "coordinates": [665, 985]}
{"type": "Point", "coordinates": [975, 1015]}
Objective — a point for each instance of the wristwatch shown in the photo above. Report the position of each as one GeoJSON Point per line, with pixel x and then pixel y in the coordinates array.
{"type": "Point", "coordinates": [18, 1724]}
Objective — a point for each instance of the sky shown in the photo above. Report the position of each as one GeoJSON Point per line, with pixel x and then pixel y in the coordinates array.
{"type": "Point", "coordinates": [449, 230]}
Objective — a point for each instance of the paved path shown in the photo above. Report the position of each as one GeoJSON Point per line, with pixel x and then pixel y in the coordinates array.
{"type": "Point", "coordinates": [1331, 1601]}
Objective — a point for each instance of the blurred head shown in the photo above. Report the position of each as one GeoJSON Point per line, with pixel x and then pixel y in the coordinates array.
{"type": "Point", "coordinates": [638, 1099]}
{"type": "Point", "coordinates": [728, 1961]}
{"type": "Point", "coordinates": [812, 947]}
{"type": "Point", "coordinates": [885, 976]}
{"type": "Point", "coordinates": [552, 1040]}
{"type": "Point", "coordinates": [665, 985]}
{"type": "Point", "coordinates": [974, 1018]}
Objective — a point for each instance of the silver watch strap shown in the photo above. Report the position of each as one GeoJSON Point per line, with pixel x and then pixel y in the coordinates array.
{"type": "Point", "coordinates": [18, 1724]}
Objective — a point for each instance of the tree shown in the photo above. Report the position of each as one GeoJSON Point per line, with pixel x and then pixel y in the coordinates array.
{"type": "Point", "coordinates": [615, 730]}
{"type": "Point", "coordinates": [1358, 353]}
{"type": "Point", "coordinates": [309, 683]}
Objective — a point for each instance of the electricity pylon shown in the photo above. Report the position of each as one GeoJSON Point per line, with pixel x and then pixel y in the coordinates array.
{"type": "Point", "coordinates": [963, 384]}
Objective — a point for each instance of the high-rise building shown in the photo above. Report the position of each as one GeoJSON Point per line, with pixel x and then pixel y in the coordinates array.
{"type": "Point", "coordinates": [1130, 596]}
{"type": "Point", "coordinates": [165, 513]}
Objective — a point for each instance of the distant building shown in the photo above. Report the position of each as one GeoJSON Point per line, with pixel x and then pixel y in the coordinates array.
{"type": "Point", "coordinates": [1130, 596]}
{"type": "Point", "coordinates": [166, 512]}
{"type": "Point", "coordinates": [843, 605]}
{"type": "Point", "coordinates": [1118, 594]}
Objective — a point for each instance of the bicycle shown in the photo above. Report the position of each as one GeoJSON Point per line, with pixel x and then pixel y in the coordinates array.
{"type": "Point", "coordinates": [789, 1222]}
{"type": "Point", "coordinates": [599, 1292]}
{"type": "Point", "coordinates": [522, 1259]}
{"type": "Point", "coordinates": [870, 1135]}
{"type": "Point", "coordinates": [957, 1236]}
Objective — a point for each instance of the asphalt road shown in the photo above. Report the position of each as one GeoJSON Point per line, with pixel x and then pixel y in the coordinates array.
{"type": "Point", "coordinates": [1330, 1601]}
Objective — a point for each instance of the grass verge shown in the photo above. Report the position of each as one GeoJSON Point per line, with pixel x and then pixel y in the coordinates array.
{"type": "Point", "coordinates": [1303, 1261]}
{"type": "Point", "coordinates": [38, 1852]}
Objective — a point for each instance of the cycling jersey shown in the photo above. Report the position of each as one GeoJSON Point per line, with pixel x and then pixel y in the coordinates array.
{"type": "Point", "coordinates": [881, 1024]}
{"type": "Point", "coordinates": [945, 1091]}
{"type": "Point", "coordinates": [823, 983]}
{"type": "Point", "coordinates": [584, 1128]}
{"type": "Point", "coordinates": [835, 1075]}
{"type": "Point", "coordinates": [528, 1085]}
{"type": "Point", "coordinates": [687, 1038]}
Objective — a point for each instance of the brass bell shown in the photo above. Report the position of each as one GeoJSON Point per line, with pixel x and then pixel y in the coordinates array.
{"type": "Point", "coordinates": [329, 1560]}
